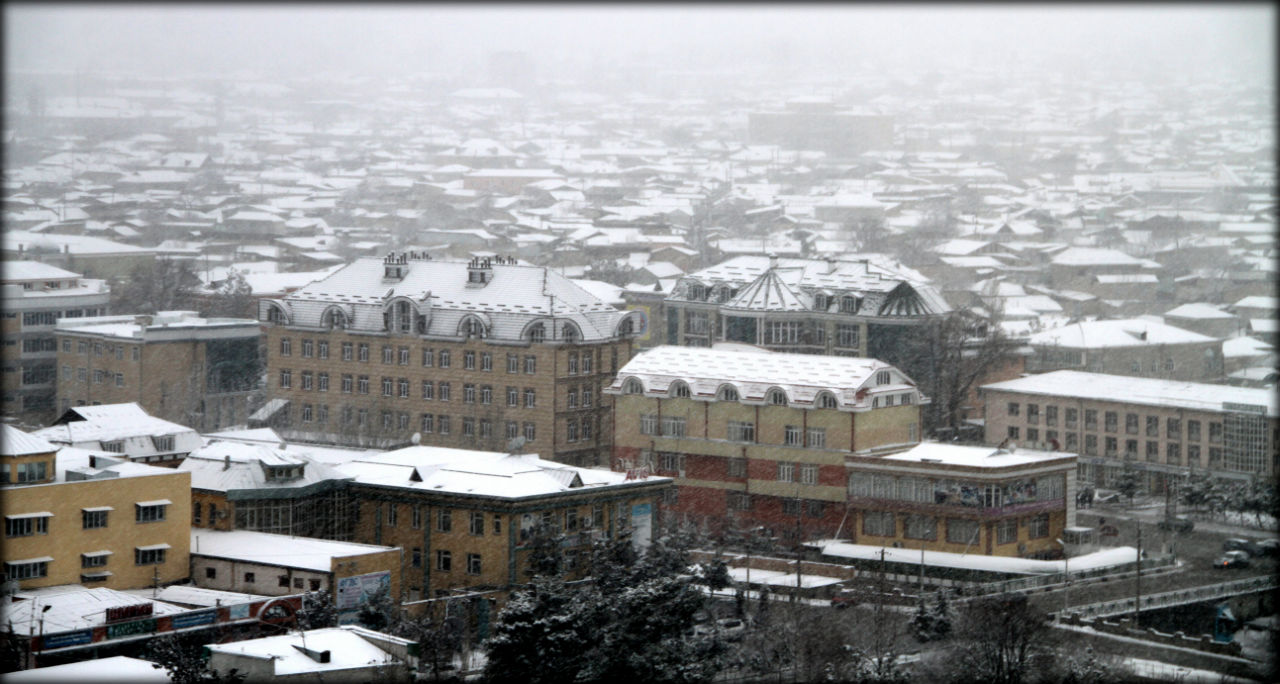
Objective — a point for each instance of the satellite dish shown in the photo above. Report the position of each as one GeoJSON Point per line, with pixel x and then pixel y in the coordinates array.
{"type": "Point", "coordinates": [516, 444]}
{"type": "Point", "coordinates": [416, 439]}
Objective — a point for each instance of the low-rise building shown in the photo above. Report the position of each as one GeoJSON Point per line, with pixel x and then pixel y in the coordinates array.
{"type": "Point", "coordinates": [1136, 347]}
{"type": "Point", "coordinates": [1166, 429]}
{"type": "Point", "coordinates": [35, 297]}
{"type": "Point", "coordinates": [72, 516]}
{"type": "Point", "coordinates": [335, 654]}
{"type": "Point", "coordinates": [756, 437]}
{"type": "Point", "coordinates": [175, 364]}
{"type": "Point", "coordinates": [963, 499]}
{"type": "Point", "coordinates": [123, 429]}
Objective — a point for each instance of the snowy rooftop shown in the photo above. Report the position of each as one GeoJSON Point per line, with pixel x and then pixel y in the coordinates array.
{"type": "Point", "coordinates": [348, 650]}
{"type": "Point", "coordinates": [1145, 391]}
{"type": "Point", "coordinates": [304, 553]}
{"type": "Point", "coordinates": [974, 456]}
{"type": "Point", "coordinates": [34, 270]}
{"type": "Point", "coordinates": [131, 327]}
{"type": "Point", "coordinates": [1198, 311]}
{"type": "Point", "coordinates": [478, 473]}
{"type": "Point", "coordinates": [800, 376]}
{"type": "Point", "coordinates": [72, 607]}
{"type": "Point", "coordinates": [18, 443]}
{"type": "Point", "coordinates": [226, 466]}
{"type": "Point", "coordinates": [121, 669]}
{"type": "Point", "coordinates": [1131, 332]}
{"type": "Point", "coordinates": [1119, 555]}
{"type": "Point", "coordinates": [110, 422]}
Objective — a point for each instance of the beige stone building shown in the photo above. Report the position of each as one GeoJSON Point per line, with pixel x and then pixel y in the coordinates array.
{"type": "Point", "coordinates": [176, 365]}
{"type": "Point", "coordinates": [1167, 429]}
{"type": "Point", "coordinates": [462, 354]}
{"type": "Point", "coordinates": [74, 517]}
{"type": "Point", "coordinates": [35, 297]}
{"type": "Point", "coordinates": [759, 438]}
{"type": "Point", "coordinates": [1133, 346]}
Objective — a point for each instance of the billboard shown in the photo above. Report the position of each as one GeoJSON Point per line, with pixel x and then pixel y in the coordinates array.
{"type": "Point", "coordinates": [358, 590]}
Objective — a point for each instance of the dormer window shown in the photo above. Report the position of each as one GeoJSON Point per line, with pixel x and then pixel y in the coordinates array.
{"type": "Point", "coordinates": [404, 318]}
{"type": "Point", "coordinates": [115, 447]}
{"type": "Point", "coordinates": [778, 398]}
{"type": "Point", "coordinates": [632, 386]}
{"type": "Point", "coordinates": [163, 443]}
{"type": "Point", "coordinates": [728, 394]}
{"type": "Point", "coordinates": [275, 314]}
{"type": "Point", "coordinates": [680, 390]}
{"type": "Point", "coordinates": [821, 302]}
{"type": "Point", "coordinates": [473, 327]}
{"type": "Point", "coordinates": [697, 293]}
{"type": "Point", "coordinates": [569, 332]}
{"type": "Point", "coordinates": [826, 400]}
{"type": "Point", "coordinates": [538, 333]}
{"type": "Point", "coordinates": [849, 305]}
{"type": "Point", "coordinates": [287, 472]}
{"type": "Point", "coordinates": [335, 319]}
{"type": "Point", "coordinates": [883, 378]}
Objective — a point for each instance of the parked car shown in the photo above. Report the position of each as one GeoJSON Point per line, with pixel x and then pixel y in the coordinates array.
{"type": "Point", "coordinates": [1232, 559]}
{"type": "Point", "coordinates": [1268, 547]}
{"type": "Point", "coordinates": [1238, 544]}
{"type": "Point", "coordinates": [844, 598]}
{"type": "Point", "coordinates": [1176, 525]}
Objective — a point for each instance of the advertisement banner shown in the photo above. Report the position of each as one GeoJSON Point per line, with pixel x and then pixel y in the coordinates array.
{"type": "Point", "coordinates": [642, 525]}
{"type": "Point", "coordinates": [356, 591]}
{"type": "Point", "coordinates": [184, 620]}
{"type": "Point", "coordinates": [67, 639]}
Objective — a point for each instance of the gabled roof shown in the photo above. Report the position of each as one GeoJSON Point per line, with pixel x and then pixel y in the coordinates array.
{"type": "Point", "coordinates": [767, 293]}
{"type": "Point", "coordinates": [19, 443]}
{"type": "Point", "coordinates": [1131, 332]}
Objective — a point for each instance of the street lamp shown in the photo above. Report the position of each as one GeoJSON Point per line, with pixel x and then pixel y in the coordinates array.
{"type": "Point", "coordinates": [1066, 571]}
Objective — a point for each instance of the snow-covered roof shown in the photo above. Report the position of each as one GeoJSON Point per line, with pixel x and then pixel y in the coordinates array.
{"type": "Point", "coordinates": [348, 651]}
{"type": "Point", "coordinates": [1120, 555]}
{"type": "Point", "coordinates": [122, 669]}
{"type": "Point", "coordinates": [19, 443]}
{"type": "Point", "coordinates": [72, 607]}
{"type": "Point", "coordinates": [478, 473]}
{"type": "Point", "coordinates": [1145, 391]}
{"type": "Point", "coordinates": [1130, 332]}
{"type": "Point", "coordinates": [16, 270]}
{"type": "Point", "coordinates": [226, 466]}
{"type": "Point", "coordinates": [282, 550]}
{"type": "Point", "coordinates": [1199, 311]}
{"type": "Point", "coordinates": [1094, 256]}
{"type": "Point", "coordinates": [974, 456]}
{"type": "Point", "coordinates": [89, 426]}
{"type": "Point", "coordinates": [801, 377]}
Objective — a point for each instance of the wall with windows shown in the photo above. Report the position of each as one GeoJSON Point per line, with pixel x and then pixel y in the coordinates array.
{"type": "Point", "coordinates": [110, 532]}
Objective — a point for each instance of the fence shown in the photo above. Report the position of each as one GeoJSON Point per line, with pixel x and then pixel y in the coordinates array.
{"type": "Point", "coordinates": [1208, 592]}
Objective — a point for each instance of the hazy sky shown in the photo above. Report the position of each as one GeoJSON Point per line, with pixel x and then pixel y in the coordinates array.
{"type": "Point", "coordinates": [295, 39]}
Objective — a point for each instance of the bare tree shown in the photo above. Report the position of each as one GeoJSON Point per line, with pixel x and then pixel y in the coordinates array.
{"type": "Point", "coordinates": [1000, 639]}
{"type": "Point", "coordinates": [162, 285]}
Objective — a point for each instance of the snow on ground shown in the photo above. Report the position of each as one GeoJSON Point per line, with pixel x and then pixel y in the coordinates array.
{"type": "Point", "coordinates": [1157, 670]}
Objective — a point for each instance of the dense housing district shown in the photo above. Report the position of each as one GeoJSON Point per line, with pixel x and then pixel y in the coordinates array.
{"type": "Point", "coordinates": [358, 383]}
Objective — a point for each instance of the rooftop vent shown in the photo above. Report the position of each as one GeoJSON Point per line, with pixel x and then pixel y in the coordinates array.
{"type": "Point", "coordinates": [480, 271]}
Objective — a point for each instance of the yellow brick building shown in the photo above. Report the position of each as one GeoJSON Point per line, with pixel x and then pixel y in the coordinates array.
{"type": "Point", "coordinates": [759, 438]}
{"type": "Point", "coordinates": [73, 517]}
{"type": "Point", "coordinates": [463, 354]}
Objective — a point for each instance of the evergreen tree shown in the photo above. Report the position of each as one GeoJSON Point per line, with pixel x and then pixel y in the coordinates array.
{"type": "Point", "coordinates": [543, 635]}
{"type": "Point", "coordinates": [379, 613]}
{"type": "Point", "coordinates": [318, 611]}
{"type": "Point", "coordinates": [181, 656]}
{"type": "Point", "coordinates": [941, 616]}
{"type": "Point", "coordinates": [922, 621]}
{"type": "Point", "coordinates": [1128, 483]}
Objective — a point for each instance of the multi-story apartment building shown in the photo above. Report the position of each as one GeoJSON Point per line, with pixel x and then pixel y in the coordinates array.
{"type": "Point", "coordinates": [176, 365]}
{"type": "Point", "coordinates": [467, 519]}
{"type": "Point", "coordinates": [1133, 346]}
{"type": "Point", "coordinates": [963, 499]}
{"type": "Point", "coordinates": [831, 306]}
{"type": "Point", "coordinates": [1167, 429]}
{"type": "Point", "coordinates": [36, 296]}
{"type": "Point", "coordinates": [72, 517]}
{"type": "Point", "coordinates": [759, 438]}
{"type": "Point", "coordinates": [462, 354]}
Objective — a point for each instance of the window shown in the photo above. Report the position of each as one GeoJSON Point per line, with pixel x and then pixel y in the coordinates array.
{"type": "Point", "coordinates": [402, 355]}
{"type": "Point", "coordinates": [393, 516]}
{"type": "Point", "coordinates": [791, 507]}
{"type": "Point", "coordinates": [1193, 430]}
{"type": "Point", "coordinates": [1073, 416]}
{"type": "Point", "coordinates": [388, 387]}
{"type": "Point", "coordinates": [816, 438]}
{"type": "Point", "coordinates": [738, 501]}
{"type": "Point", "coordinates": [1090, 419]}
{"type": "Point", "coordinates": [145, 555]}
{"type": "Point", "coordinates": [1038, 526]}
{"type": "Point", "coordinates": [286, 378]}
{"type": "Point", "coordinates": [530, 398]}
{"type": "Point", "coordinates": [741, 431]}
{"type": "Point", "coordinates": [571, 400]}
{"type": "Point", "coordinates": [444, 561]}
{"type": "Point", "coordinates": [784, 332]}
{"type": "Point", "coordinates": [1013, 408]}
{"type": "Point", "coordinates": [960, 531]}
{"type": "Point", "coordinates": [791, 436]}
{"type": "Point", "coordinates": [513, 397]}
{"type": "Point", "coordinates": [697, 322]}
{"type": "Point", "coordinates": [673, 427]}
{"type": "Point", "coordinates": [530, 432]}
{"type": "Point", "coordinates": [26, 569]}
{"type": "Point", "coordinates": [1173, 429]}
{"type": "Point", "coordinates": [809, 474]}
{"type": "Point", "coordinates": [1051, 416]}
{"type": "Point", "coordinates": [1131, 448]}
{"type": "Point", "coordinates": [849, 305]}
{"type": "Point", "coordinates": [1007, 531]}
{"type": "Point", "coordinates": [308, 349]}
{"type": "Point", "coordinates": [497, 524]}
{"type": "Point", "coordinates": [847, 336]}
{"type": "Point", "coordinates": [1091, 445]}
{"type": "Point", "coordinates": [306, 413]}
{"type": "Point", "coordinates": [347, 382]}
{"type": "Point", "coordinates": [737, 467]}
{"type": "Point", "coordinates": [1013, 432]}
{"type": "Point", "coordinates": [486, 395]}
{"type": "Point", "coordinates": [728, 394]}
{"type": "Point", "coordinates": [1111, 421]}
{"type": "Point", "coordinates": [346, 351]}
{"type": "Point", "coordinates": [1131, 423]}
{"type": "Point", "coordinates": [428, 423]}
{"type": "Point", "coordinates": [1153, 426]}
{"type": "Point", "coordinates": [322, 349]}
{"type": "Point", "coordinates": [428, 390]}
{"type": "Point", "coordinates": [442, 423]}
{"type": "Point", "coordinates": [586, 428]}
{"type": "Point", "coordinates": [415, 559]}
{"type": "Point", "coordinates": [530, 365]}
{"type": "Point", "coordinates": [573, 363]}
{"type": "Point", "coordinates": [444, 520]}
{"type": "Point", "coordinates": [444, 391]}
{"type": "Point", "coordinates": [827, 400]}
{"type": "Point", "coordinates": [322, 382]}
{"type": "Point", "coordinates": [586, 397]}
{"type": "Point", "coordinates": [513, 363]}
{"type": "Point", "coordinates": [1173, 454]}
{"type": "Point", "coordinates": [1112, 448]}
{"type": "Point", "coordinates": [363, 353]}
{"type": "Point", "coordinates": [1193, 454]}
{"type": "Point", "coordinates": [1033, 435]}
{"type": "Point", "coordinates": [150, 512]}
{"type": "Point", "coordinates": [1033, 414]}
{"type": "Point", "coordinates": [473, 564]}
{"type": "Point", "coordinates": [879, 524]}
{"type": "Point", "coordinates": [1215, 433]}
{"type": "Point", "coordinates": [322, 413]}
{"type": "Point", "coordinates": [920, 527]}
{"type": "Point", "coordinates": [586, 362]}
{"type": "Point", "coordinates": [468, 426]}
{"type": "Point", "coordinates": [308, 380]}
{"type": "Point", "coordinates": [286, 346]}
{"type": "Point", "coordinates": [469, 360]}
{"type": "Point", "coordinates": [249, 578]}
{"type": "Point", "coordinates": [388, 354]}
{"type": "Point", "coordinates": [513, 429]}
{"type": "Point", "coordinates": [477, 523]}
{"type": "Point", "coordinates": [26, 525]}
{"type": "Point", "coordinates": [1073, 441]}
{"type": "Point", "coordinates": [428, 358]}
{"type": "Point", "coordinates": [468, 394]}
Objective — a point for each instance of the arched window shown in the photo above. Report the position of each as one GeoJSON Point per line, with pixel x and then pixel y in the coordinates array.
{"type": "Point", "coordinates": [627, 327]}
{"type": "Point", "coordinates": [537, 333]}
{"type": "Point", "coordinates": [569, 332]}
{"type": "Point", "coordinates": [826, 400]}
{"type": "Point", "coordinates": [728, 393]}
{"type": "Point", "coordinates": [778, 398]}
{"type": "Point", "coordinates": [473, 327]}
{"type": "Point", "coordinates": [334, 319]}
{"type": "Point", "coordinates": [632, 386]}
{"type": "Point", "coordinates": [275, 314]}
{"type": "Point", "coordinates": [679, 389]}
{"type": "Point", "coordinates": [404, 317]}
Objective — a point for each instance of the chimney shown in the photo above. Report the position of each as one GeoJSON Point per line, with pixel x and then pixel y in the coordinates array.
{"type": "Point", "coordinates": [773, 260]}
{"type": "Point", "coordinates": [479, 271]}
{"type": "Point", "coordinates": [226, 462]}
{"type": "Point", "coordinates": [142, 320]}
{"type": "Point", "coordinates": [831, 264]}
